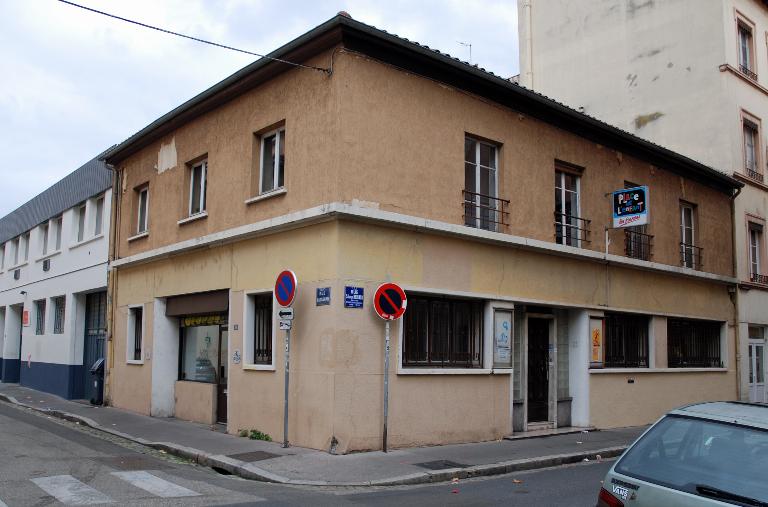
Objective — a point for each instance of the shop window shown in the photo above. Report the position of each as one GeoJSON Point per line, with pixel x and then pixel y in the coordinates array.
{"type": "Point", "coordinates": [200, 345]}
{"type": "Point", "coordinates": [626, 341]}
{"type": "Point", "coordinates": [59, 305]}
{"type": "Point", "coordinates": [259, 329]}
{"type": "Point", "coordinates": [693, 344]}
{"type": "Point", "coordinates": [443, 333]}
{"type": "Point", "coordinates": [135, 335]}
{"type": "Point", "coordinates": [40, 316]}
{"type": "Point", "coordinates": [272, 161]}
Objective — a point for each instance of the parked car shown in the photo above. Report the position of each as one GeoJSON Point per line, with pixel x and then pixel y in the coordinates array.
{"type": "Point", "coordinates": [704, 454]}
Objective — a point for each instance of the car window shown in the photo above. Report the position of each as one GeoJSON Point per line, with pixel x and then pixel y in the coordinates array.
{"type": "Point", "coordinates": [693, 454]}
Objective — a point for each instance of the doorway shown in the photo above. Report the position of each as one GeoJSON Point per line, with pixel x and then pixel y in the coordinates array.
{"type": "Point", "coordinates": [222, 374]}
{"type": "Point", "coordinates": [538, 370]}
{"type": "Point", "coordinates": [757, 371]}
{"type": "Point", "coordinates": [95, 335]}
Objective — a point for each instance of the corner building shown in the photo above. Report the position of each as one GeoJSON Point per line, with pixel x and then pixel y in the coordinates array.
{"type": "Point", "coordinates": [485, 201]}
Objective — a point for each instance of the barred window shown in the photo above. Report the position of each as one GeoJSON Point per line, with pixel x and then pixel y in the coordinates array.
{"type": "Point", "coordinates": [262, 329]}
{"type": "Point", "coordinates": [59, 304]}
{"type": "Point", "coordinates": [626, 341]}
{"type": "Point", "coordinates": [693, 344]}
{"type": "Point", "coordinates": [40, 316]}
{"type": "Point", "coordinates": [135, 332]}
{"type": "Point", "coordinates": [443, 333]}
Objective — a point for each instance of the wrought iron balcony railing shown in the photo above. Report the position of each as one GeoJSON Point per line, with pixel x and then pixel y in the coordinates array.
{"type": "Point", "coordinates": [758, 278]}
{"type": "Point", "coordinates": [691, 256]}
{"type": "Point", "coordinates": [485, 211]}
{"type": "Point", "coordinates": [571, 230]}
{"type": "Point", "coordinates": [638, 245]}
{"type": "Point", "coordinates": [751, 173]}
{"type": "Point", "coordinates": [748, 72]}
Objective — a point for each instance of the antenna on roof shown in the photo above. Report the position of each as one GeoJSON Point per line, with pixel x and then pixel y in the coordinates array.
{"type": "Point", "coordinates": [469, 45]}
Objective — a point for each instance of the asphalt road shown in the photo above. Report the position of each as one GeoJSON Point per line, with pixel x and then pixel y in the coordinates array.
{"type": "Point", "coordinates": [45, 461]}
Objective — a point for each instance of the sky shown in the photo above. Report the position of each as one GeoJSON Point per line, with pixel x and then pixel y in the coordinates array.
{"type": "Point", "coordinates": [75, 83]}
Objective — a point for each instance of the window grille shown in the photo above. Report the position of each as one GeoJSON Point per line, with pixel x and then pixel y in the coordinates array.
{"type": "Point", "coordinates": [58, 314]}
{"type": "Point", "coordinates": [262, 329]}
{"type": "Point", "coordinates": [626, 341]}
{"type": "Point", "coordinates": [693, 344]}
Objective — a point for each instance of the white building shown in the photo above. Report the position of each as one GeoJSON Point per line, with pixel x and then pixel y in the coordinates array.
{"type": "Point", "coordinates": [53, 278]}
{"type": "Point", "coordinates": [691, 75]}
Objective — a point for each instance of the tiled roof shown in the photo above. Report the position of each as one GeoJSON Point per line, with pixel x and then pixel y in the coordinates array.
{"type": "Point", "coordinates": [89, 180]}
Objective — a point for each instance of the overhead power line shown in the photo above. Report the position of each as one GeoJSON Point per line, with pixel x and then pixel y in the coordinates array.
{"type": "Point", "coordinates": [196, 39]}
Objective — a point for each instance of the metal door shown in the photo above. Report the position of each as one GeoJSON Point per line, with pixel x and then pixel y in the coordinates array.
{"type": "Point", "coordinates": [538, 370]}
{"type": "Point", "coordinates": [95, 334]}
{"type": "Point", "coordinates": [222, 374]}
{"type": "Point", "coordinates": [757, 371]}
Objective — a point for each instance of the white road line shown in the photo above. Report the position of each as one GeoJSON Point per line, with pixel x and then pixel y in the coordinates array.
{"type": "Point", "coordinates": [68, 490]}
{"type": "Point", "coordinates": [2, 504]}
{"type": "Point", "coordinates": [155, 485]}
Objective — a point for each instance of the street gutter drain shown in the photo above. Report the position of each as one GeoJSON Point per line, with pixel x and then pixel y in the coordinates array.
{"type": "Point", "coordinates": [440, 464]}
{"type": "Point", "coordinates": [250, 457]}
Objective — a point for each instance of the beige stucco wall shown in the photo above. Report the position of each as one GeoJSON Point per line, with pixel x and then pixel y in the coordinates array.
{"type": "Point", "coordinates": [196, 401]}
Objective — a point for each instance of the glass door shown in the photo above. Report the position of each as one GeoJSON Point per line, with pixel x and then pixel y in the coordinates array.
{"type": "Point", "coordinates": [223, 374]}
{"type": "Point", "coordinates": [757, 371]}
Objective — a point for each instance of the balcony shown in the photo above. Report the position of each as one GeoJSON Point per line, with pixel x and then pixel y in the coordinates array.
{"type": "Point", "coordinates": [748, 72]}
{"type": "Point", "coordinates": [637, 245]}
{"type": "Point", "coordinates": [758, 278]}
{"type": "Point", "coordinates": [753, 174]}
{"type": "Point", "coordinates": [691, 256]}
{"type": "Point", "coordinates": [484, 211]}
{"type": "Point", "coordinates": [571, 230]}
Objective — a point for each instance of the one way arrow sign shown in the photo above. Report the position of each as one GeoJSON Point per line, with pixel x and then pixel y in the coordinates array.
{"type": "Point", "coordinates": [285, 313]}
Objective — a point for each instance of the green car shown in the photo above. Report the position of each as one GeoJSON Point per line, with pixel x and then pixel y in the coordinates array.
{"type": "Point", "coordinates": [700, 455]}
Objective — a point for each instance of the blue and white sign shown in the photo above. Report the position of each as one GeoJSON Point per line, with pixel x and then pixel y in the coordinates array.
{"type": "Point", "coordinates": [353, 297]}
{"type": "Point", "coordinates": [630, 207]}
{"type": "Point", "coordinates": [323, 296]}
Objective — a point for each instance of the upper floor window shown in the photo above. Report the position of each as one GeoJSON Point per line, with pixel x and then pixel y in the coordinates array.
{"type": "Point", "coordinates": [482, 207]}
{"type": "Point", "coordinates": [746, 49]}
{"type": "Point", "coordinates": [44, 237]}
{"type": "Point", "coordinates": [58, 222]}
{"type": "Point", "coordinates": [142, 205]}
{"type": "Point", "coordinates": [272, 160]}
{"type": "Point", "coordinates": [197, 187]}
{"type": "Point", "coordinates": [690, 254]}
{"type": "Point", "coordinates": [15, 246]}
{"type": "Point", "coordinates": [99, 225]}
{"type": "Point", "coordinates": [751, 133]}
{"type": "Point", "coordinates": [637, 242]}
{"type": "Point", "coordinates": [756, 253]}
{"type": "Point", "coordinates": [27, 237]}
{"type": "Point", "coordinates": [80, 223]}
{"type": "Point", "coordinates": [2, 256]}
{"type": "Point", "coordinates": [570, 228]}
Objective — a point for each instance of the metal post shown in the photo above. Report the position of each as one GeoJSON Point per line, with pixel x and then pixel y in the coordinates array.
{"type": "Point", "coordinates": [287, 367]}
{"type": "Point", "coordinates": [386, 381]}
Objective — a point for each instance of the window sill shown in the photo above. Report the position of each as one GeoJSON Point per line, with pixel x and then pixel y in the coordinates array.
{"type": "Point", "coordinates": [134, 361]}
{"type": "Point", "coordinates": [656, 370]}
{"type": "Point", "coordinates": [17, 266]}
{"type": "Point", "coordinates": [259, 367]}
{"type": "Point", "coordinates": [452, 371]}
{"type": "Point", "coordinates": [267, 195]}
{"type": "Point", "coordinates": [192, 218]}
{"type": "Point", "coordinates": [48, 256]}
{"type": "Point", "coordinates": [140, 235]}
{"type": "Point", "coordinates": [86, 241]}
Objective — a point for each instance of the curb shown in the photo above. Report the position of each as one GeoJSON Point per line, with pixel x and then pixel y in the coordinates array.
{"type": "Point", "coordinates": [252, 472]}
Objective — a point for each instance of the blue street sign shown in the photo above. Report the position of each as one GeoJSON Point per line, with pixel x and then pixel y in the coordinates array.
{"type": "Point", "coordinates": [323, 296]}
{"type": "Point", "coordinates": [353, 297]}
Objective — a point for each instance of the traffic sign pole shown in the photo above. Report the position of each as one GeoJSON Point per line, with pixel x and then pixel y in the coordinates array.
{"type": "Point", "coordinates": [386, 382]}
{"type": "Point", "coordinates": [285, 292]}
{"type": "Point", "coordinates": [287, 377]}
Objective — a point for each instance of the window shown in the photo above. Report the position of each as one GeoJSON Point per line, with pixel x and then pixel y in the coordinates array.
{"type": "Point", "coordinates": [44, 238]}
{"type": "Point", "coordinates": [40, 316]}
{"type": "Point", "coordinates": [637, 241]}
{"type": "Point", "coordinates": [197, 188]}
{"type": "Point", "coordinates": [482, 207]}
{"type": "Point", "coordinates": [142, 204]}
{"type": "Point", "coordinates": [570, 229]}
{"type": "Point", "coordinates": [272, 160]}
{"type": "Point", "coordinates": [15, 244]}
{"type": "Point", "coordinates": [751, 150]}
{"type": "Point", "coordinates": [99, 216]}
{"type": "Point", "coordinates": [626, 341]}
{"type": "Point", "coordinates": [199, 353]}
{"type": "Point", "coordinates": [26, 246]}
{"type": "Point", "coordinates": [262, 328]}
{"type": "Point", "coordinates": [57, 223]}
{"type": "Point", "coordinates": [81, 223]}
{"type": "Point", "coordinates": [755, 248]}
{"type": "Point", "coordinates": [746, 50]}
{"type": "Point", "coordinates": [2, 256]}
{"type": "Point", "coordinates": [693, 344]}
{"type": "Point", "coordinates": [690, 254]}
{"type": "Point", "coordinates": [59, 304]}
{"type": "Point", "coordinates": [135, 332]}
{"type": "Point", "coordinates": [443, 333]}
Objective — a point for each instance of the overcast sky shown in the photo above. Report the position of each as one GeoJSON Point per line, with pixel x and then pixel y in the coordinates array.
{"type": "Point", "coordinates": [74, 82]}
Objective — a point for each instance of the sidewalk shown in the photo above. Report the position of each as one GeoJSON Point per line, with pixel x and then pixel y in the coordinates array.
{"type": "Point", "coordinates": [268, 461]}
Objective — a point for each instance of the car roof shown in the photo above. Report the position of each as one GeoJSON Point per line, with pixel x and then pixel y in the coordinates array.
{"type": "Point", "coordinates": [749, 414]}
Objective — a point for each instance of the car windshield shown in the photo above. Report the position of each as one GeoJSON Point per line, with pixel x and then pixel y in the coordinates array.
{"type": "Point", "coordinates": [700, 456]}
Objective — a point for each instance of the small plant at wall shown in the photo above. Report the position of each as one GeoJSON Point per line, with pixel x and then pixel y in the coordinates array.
{"type": "Point", "coordinates": [259, 435]}
{"type": "Point", "coordinates": [242, 433]}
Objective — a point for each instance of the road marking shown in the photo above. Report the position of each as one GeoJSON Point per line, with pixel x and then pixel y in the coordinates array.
{"type": "Point", "coordinates": [68, 490]}
{"type": "Point", "coordinates": [155, 485]}
{"type": "Point", "coordinates": [2, 504]}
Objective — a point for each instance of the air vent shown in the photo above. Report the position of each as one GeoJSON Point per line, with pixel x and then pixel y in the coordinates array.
{"type": "Point", "coordinates": [46, 264]}
{"type": "Point", "coordinates": [17, 274]}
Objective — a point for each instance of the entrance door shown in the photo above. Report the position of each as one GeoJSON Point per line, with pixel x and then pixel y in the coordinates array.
{"type": "Point", "coordinates": [538, 370]}
{"type": "Point", "coordinates": [757, 371]}
{"type": "Point", "coordinates": [95, 334]}
{"type": "Point", "coordinates": [222, 374]}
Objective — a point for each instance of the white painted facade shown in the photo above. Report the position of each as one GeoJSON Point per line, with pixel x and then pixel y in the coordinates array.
{"type": "Point", "coordinates": [75, 267]}
{"type": "Point", "coordinates": [669, 72]}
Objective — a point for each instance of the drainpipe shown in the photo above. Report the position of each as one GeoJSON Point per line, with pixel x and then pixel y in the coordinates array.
{"type": "Point", "coordinates": [114, 222]}
{"type": "Point", "coordinates": [528, 24]}
{"type": "Point", "coordinates": [735, 298]}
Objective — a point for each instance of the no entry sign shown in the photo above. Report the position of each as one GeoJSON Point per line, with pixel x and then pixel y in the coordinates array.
{"type": "Point", "coordinates": [389, 301]}
{"type": "Point", "coordinates": [285, 288]}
